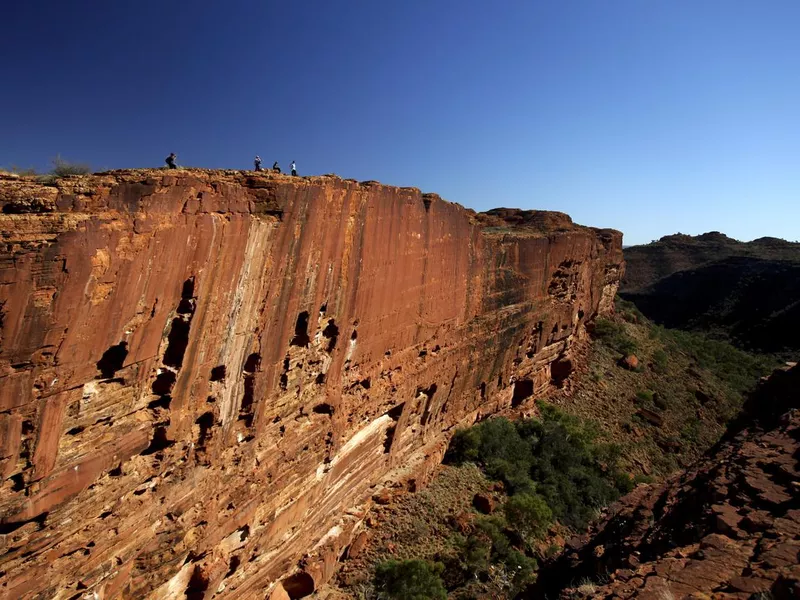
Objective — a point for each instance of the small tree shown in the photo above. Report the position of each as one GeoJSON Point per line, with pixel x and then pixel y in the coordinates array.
{"type": "Point", "coordinates": [528, 515]}
{"type": "Point", "coordinates": [62, 168]}
{"type": "Point", "coordinates": [409, 580]}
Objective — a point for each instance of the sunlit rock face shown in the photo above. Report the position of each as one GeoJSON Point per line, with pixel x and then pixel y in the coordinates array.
{"type": "Point", "coordinates": [205, 376]}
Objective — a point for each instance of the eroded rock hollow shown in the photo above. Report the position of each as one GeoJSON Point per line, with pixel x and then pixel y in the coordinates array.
{"type": "Point", "coordinates": [206, 376]}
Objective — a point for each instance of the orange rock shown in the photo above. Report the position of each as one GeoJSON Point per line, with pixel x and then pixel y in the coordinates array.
{"type": "Point", "coordinates": [223, 364]}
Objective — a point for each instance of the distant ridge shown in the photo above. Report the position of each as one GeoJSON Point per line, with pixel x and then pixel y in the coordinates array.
{"type": "Point", "coordinates": [746, 292]}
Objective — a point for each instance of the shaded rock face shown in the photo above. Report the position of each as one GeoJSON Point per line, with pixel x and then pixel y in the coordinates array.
{"type": "Point", "coordinates": [747, 292]}
{"type": "Point", "coordinates": [727, 528]}
{"type": "Point", "coordinates": [205, 377]}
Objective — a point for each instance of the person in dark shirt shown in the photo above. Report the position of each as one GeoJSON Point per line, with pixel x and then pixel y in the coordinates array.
{"type": "Point", "coordinates": [171, 161]}
{"type": "Point", "coordinates": [276, 167]}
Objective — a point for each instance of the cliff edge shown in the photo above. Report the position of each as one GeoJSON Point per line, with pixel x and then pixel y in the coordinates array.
{"type": "Point", "coordinates": [205, 376]}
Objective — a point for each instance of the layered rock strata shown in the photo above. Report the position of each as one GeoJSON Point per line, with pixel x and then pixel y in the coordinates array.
{"type": "Point", "coordinates": [206, 375]}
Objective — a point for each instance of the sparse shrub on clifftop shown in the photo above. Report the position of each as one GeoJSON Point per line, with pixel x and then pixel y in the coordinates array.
{"type": "Point", "coordinates": [63, 168]}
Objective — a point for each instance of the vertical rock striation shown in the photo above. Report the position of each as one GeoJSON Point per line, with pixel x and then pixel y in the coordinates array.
{"type": "Point", "coordinates": [205, 376]}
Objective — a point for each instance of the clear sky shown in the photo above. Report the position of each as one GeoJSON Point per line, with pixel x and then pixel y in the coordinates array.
{"type": "Point", "coordinates": [649, 116]}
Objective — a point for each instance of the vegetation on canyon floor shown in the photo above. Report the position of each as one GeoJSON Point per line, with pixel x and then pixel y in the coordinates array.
{"type": "Point", "coordinates": [548, 476]}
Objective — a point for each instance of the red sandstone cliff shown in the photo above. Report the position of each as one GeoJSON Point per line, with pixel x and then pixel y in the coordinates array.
{"type": "Point", "coordinates": [205, 376]}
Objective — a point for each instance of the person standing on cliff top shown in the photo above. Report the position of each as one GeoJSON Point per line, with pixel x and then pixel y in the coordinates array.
{"type": "Point", "coordinates": [257, 163]}
{"type": "Point", "coordinates": [276, 167]}
{"type": "Point", "coordinates": [294, 168]}
{"type": "Point", "coordinates": [171, 161]}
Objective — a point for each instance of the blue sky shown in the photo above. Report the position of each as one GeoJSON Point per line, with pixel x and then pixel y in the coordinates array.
{"type": "Point", "coordinates": [649, 116]}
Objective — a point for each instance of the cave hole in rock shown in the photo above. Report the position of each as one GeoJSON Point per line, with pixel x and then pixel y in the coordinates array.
{"type": "Point", "coordinates": [244, 533]}
{"type": "Point", "coordinates": [218, 373]}
{"type": "Point", "coordinates": [301, 331]}
{"type": "Point", "coordinates": [185, 306]}
{"type": "Point", "coordinates": [354, 336]}
{"type": "Point", "coordinates": [523, 389]}
{"type": "Point", "coordinates": [159, 442]}
{"type": "Point", "coordinates": [177, 341]}
{"type": "Point", "coordinates": [247, 397]}
{"type": "Point", "coordinates": [394, 414]}
{"type": "Point", "coordinates": [483, 390]}
{"type": "Point", "coordinates": [6, 528]}
{"type": "Point", "coordinates": [206, 423]}
{"type": "Point", "coordinates": [323, 409]}
{"type": "Point", "coordinates": [284, 378]}
{"type": "Point", "coordinates": [116, 471]}
{"type": "Point", "coordinates": [555, 328]}
{"type": "Point", "coordinates": [580, 314]}
{"type": "Point", "coordinates": [160, 402]}
{"type": "Point", "coordinates": [323, 309]}
{"type": "Point", "coordinates": [112, 360]}
{"type": "Point", "coordinates": [365, 383]}
{"type": "Point", "coordinates": [233, 565]}
{"type": "Point", "coordinates": [18, 482]}
{"type": "Point", "coordinates": [75, 430]}
{"type": "Point", "coordinates": [198, 584]}
{"type": "Point", "coordinates": [164, 382]}
{"type": "Point", "coordinates": [331, 333]}
{"type": "Point", "coordinates": [187, 291]}
{"type": "Point", "coordinates": [298, 585]}
{"type": "Point", "coordinates": [252, 363]}
{"type": "Point", "coordinates": [560, 370]}
{"type": "Point", "coordinates": [320, 379]}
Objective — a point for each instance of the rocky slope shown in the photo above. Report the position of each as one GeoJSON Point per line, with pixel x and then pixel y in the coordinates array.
{"type": "Point", "coordinates": [205, 376]}
{"type": "Point", "coordinates": [746, 292]}
{"type": "Point", "coordinates": [729, 527]}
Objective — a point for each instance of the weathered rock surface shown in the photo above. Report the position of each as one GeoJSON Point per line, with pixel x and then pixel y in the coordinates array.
{"type": "Point", "coordinates": [727, 528]}
{"type": "Point", "coordinates": [205, 377]}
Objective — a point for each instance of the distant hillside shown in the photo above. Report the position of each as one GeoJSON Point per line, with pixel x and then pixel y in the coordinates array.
{"type": "Point", "coordinates": [748, 292]}
{"type": "Point", "coordinates": [648, 263]}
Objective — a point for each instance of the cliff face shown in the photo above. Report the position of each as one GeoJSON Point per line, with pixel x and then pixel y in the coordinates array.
{"type": "Point", "coordinates": [206, 376]}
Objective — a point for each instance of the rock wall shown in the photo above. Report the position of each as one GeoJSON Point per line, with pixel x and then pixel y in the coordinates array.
{"type": "Point", "coordinates": [205, 376]}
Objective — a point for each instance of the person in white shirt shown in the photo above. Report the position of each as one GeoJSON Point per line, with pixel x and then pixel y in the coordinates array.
{"type": "Point", "coordinates": [294, 168]}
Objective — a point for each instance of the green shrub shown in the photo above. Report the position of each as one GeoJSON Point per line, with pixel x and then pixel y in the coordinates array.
{"type": "Point", "coordinates": [521, 570]}
{"type": "Point", "coordinates": [409, 580]}
{"type": "Point", "coordinates": [555, 457]}
{"type": "Point", "coordinates": [645, 396]}
{"type": "Point", "coordinates": [528, 515]}
{"type": "Point", "coordinates": [739, 369]}
{"type": "Point", "coordinates": [660, 361]}
{"type": "Point", "coordinates": [62, 168]}
{"type": "Point", "coordinates": [614, 336]}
